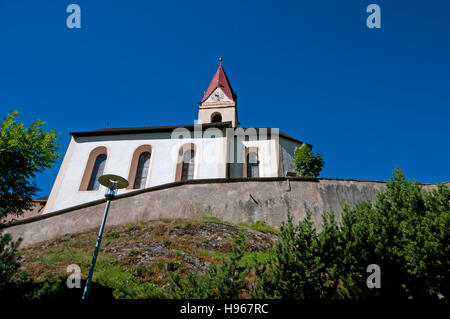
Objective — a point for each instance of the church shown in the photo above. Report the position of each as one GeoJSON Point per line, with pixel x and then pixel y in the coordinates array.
{"type": "Point", "coordinates": [214, 147]}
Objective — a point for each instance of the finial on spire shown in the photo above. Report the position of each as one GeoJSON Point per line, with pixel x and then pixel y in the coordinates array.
{"type": "Point", "coordinates": [220, 59]}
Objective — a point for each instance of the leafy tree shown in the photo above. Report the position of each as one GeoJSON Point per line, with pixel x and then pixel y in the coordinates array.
{"type": "Point", "coordinates": [24, 152]}
{"type": "Point", "coordinates": [222, 282]}
{"type": "Point", "coordinates": [306, 163]}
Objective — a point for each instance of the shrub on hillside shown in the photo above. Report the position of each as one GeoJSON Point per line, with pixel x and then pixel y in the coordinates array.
{"type": "Point", "coordinates": [405, 231]}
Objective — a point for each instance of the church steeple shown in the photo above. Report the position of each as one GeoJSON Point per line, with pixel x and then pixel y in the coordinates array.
{"type": "Point", "coordinates": [219, 101]}
{"type": "Point", "coordinates": [219, 80]}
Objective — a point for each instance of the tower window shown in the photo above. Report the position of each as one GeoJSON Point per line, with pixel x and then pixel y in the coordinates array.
{"type": "Point", "coordinates": [97, 171]}
{"type": "Point", "coordinates": [252, 165]}
{"type": "Point", "coordinates": [187, 171]}
{"type": "Point", "coordinates": [216, 118]}
{"type": "Point", "coordinates": [142, 170]}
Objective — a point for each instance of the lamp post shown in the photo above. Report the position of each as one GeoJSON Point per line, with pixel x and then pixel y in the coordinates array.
{"type": "Point", "coordinates": [112, 184]}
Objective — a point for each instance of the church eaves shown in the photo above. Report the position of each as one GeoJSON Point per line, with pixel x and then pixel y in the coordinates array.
{"type": "Point", "coordinates": [147, 129]}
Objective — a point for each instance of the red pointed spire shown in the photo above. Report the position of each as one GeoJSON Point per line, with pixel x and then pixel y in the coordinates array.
{"type": "Point", "coordinates": [219, 80]}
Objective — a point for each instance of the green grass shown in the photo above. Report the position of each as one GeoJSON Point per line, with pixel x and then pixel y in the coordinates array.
{"type": "Point", "coordinates": [133, 252]}
{"type": "Point", "coordinates": [47, 260]}
{"type": "Point", "coordinates": [213, 254]}
{"type": "Point", "coordinates": [113, 234]}
{"type": "Point", "coordinates": [125, 285]}
{"type": "Point", "coordinates": [248, 257]}
{"type": "Point", "coordinates": [132, 227]}
{"type": "Point", "coordinates": [52, 259]}
{"type": "Point", "coordinates": [261, 257]}
{"type": "Point", "coordinates": [127, 279]}
{"type": "Point", "coordinates": [207, 218]}
{"type": "Point", "coordinates": [261, 226]}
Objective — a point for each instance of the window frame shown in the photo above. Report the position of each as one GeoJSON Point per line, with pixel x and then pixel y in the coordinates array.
{"type": "Point", "coordinates": [97, 169]}
{"type": "Point", "coordinates": [134, 165]}
{"type": "Point", "coordinates": [89, 167]}
{"type": "Point", "coordinates": [142, 171]}
{"type": "Point", "coordinates": [187, 168]}
{"type": "Point", "coordinates": [193, 165]}
{"type": "Point", "coordinates": [252, 166]}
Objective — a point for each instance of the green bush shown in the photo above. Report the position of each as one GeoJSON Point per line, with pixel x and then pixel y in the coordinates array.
{"type": "Point", "coordinates": [405, 231]}
{"type": "Point", "coordinates": [9, 263]}
{"type": "Point", "coordinates": [306, 163]}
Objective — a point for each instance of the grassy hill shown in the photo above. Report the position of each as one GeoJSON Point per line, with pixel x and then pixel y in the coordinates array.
{"type": "Point", "coordinates": [135, 260]}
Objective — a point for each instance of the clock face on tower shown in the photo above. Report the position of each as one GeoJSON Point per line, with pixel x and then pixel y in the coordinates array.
{"type": "Point", "coordinates": [217, 96]}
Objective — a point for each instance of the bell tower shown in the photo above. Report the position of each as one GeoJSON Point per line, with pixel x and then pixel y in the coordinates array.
{"type": "Point", "coordinates": [219, 101]}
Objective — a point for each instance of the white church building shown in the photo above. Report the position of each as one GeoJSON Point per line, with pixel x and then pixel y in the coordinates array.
{"type": "Point", "coordinates": [215, 147]}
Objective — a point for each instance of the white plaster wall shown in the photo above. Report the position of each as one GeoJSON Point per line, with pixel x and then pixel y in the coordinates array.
{"type": "Point", "coordinates": [268, 150]}
{"type": "Point", "coordinates": [228, 114]}
{"type": "Point", "coordinates": [208, 163]}
{"type": "Point", "coordinates": [267, 156]}
{"type": "Point", "coordinates": [287, 149]}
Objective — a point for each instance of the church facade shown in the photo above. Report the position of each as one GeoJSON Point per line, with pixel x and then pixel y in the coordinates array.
{"type": "Point", "coordinates": [213, 147]}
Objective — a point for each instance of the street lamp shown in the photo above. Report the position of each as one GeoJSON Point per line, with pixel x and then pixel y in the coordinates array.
{"type": "Point", "coordinates": [112, 184]}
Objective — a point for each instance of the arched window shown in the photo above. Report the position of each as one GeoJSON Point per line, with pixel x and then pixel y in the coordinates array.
{"type": "Point", "coordinates": [142, 170]}
{"type": "Point", "coordinates": [140, 167]}
{"type": "Point", "coordinates": [97, 171]}
{"type": "Point", "coordinates": [185, 165]}
{"type": "Point", "coordinates": [95, 166]}
{"type": "Point", "coordinates": [187, 170]}
{"type": "Point", "coordinates": [252, 164]}
{"type": "Point", "coordinates": [216, 118]}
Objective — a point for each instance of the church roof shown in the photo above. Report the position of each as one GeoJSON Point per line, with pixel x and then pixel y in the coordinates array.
{"type": "Point", "coordinates": [220, 80]}
{"type": "Point", "coordinates": [146, 129]}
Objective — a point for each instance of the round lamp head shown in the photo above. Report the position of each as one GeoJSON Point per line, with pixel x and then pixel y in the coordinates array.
{"type": "Point", "coordinates": [110, 180]}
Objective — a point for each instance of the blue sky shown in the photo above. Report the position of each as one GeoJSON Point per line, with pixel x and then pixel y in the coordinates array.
{"type": "Point", "coordinates": [367, 99]}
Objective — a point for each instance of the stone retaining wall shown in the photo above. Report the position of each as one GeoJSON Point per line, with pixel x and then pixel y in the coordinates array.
{"type": "Point", "coordinates": [234, 200]}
